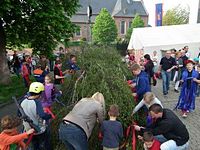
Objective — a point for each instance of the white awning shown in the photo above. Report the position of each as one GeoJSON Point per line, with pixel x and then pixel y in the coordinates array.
{"type": "Point", "coordinates": [165, 37]}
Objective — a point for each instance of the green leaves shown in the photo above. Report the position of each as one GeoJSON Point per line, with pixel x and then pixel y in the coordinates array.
{"type": "Point", "coordinates": [41, 23]}
{"type": "Point", "coordinates": [137, 22]}
{"type": "Point", "coordinates": [104, 29]}
{"type": "Point", "coordinates": [176, 16]}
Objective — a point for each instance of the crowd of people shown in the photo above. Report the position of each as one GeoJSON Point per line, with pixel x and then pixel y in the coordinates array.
{"type": "Point", "coordinates": [160, 132]}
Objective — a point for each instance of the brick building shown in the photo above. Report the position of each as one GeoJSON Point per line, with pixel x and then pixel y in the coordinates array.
{"type": "Point", "coordinates": [123, 11]}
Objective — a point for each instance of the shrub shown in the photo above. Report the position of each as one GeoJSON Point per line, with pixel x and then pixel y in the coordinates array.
{"type": "Point", "coordinates": [104, 30]}
{"type": "Point", "coordinates": [106, 73]}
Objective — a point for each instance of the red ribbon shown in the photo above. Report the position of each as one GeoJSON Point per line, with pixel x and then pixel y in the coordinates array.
{"type": "Point", "coordinates": [29, 140]}
{"type": "Point", "coordinates": [130, 129]}
{"type": "Point", "coordinates": [100, 136]}
{"type": "Point", "coordinates": [48, 110]}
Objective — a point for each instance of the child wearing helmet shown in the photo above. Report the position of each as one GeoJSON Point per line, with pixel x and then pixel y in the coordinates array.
{"type": "Point", "coordinates": [34, 110]}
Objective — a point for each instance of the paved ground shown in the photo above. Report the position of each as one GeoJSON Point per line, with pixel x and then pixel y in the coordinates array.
{"type": "Point", "coordinates": [8, 109]}
{"type": "Point", "coordinates": [192, 122]}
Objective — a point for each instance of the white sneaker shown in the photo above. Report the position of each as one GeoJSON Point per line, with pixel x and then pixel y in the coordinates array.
{"type": "Point", "coordinates": [184, 115]}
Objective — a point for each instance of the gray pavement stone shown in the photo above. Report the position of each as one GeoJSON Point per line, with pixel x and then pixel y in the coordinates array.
{"type": "Point", "coordinates": [192, 122]}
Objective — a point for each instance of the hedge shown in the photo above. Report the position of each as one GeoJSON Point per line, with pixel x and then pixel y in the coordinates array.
{"type": "Point", "coordinates": [105, 73]}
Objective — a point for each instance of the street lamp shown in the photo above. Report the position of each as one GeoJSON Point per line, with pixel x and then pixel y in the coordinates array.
{"type": "Point", "coordinates": [89, 14]}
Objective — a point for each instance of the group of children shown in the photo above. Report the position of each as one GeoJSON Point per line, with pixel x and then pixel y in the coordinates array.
{"type": "Point", "coordinates": [112, 129]}
{"type": "Point", "coordinates": [37, 105]}
{"type": "Point", "coordinates": [34, 106]}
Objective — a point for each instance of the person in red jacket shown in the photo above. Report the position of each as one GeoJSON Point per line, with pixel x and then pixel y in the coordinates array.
{"type": "Point", "coordinates": [25, 73]}
{"type": "Point", "coordinates": [10, 137]}
{"type": "Point", "coordinates": [150, 143]}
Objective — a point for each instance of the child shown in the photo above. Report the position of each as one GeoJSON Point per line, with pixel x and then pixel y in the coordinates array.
{"type": "Point", "coordinates": [25, 73]}
{"type": "Point", "coordinates": [72, 64]}
{"type": "Point", "coordinates": [39, 74]}
{"type": "Point", "coordinates": [9, 137]}
{"type": "Point", "coordinates": [150, 143]}
{"type": "Point", "coordinates": [148, 100]}
{"type": "Point", "coordinates": [112, 130]}
{"type": "Point", "coordinates": [142, 81]}
{"type": "Point", "coordinates": [49, 95]}
{"type": "Point", "coordinates": [58, 74]}
{"type": "Point", "coordinates": [33, 109]}
{"type": "Point", "coordinates": [189, 87]}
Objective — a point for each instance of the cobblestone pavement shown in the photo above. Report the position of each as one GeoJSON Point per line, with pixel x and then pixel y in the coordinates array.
{"type": "Point", "coordinates": [192, 122]}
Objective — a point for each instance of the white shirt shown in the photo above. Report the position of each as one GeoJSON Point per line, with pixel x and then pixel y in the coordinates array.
{"type": "Point", "coordinates": [155, 60]}
{"type": "Point", "coordinates": [188, 54]}
{"type": "Point", "coordinates": [142, 103]}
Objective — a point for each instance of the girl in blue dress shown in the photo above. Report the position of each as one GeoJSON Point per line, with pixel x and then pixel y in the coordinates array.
{"type": "Point", "coordinates": [188, 92]}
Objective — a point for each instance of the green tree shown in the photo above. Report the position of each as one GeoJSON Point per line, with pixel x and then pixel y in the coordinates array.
{"type": "Point", "coordinates": [104, 29]}
{"type": "Point", "coordinates": [137, 22]}
{"type": "Point", "coordinates": [42, 23]}
{"type": "Point", "coordinates": [176, 16]}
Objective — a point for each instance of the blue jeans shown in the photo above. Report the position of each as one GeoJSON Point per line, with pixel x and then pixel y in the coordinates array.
{"type": "Point", "coordinates": [170, 144]}
{"type": "Point", "coordinates": [42, 141]}
{"type": "Point", "coordinates": [198, 91]}
{"type": "Point", "coordinates": [73, 137]}
{"type": "Point", "coordinates": [166, 77]}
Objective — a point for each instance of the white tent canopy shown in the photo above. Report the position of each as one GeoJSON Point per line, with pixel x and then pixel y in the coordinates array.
{"type": "Point", "coordinates": [166, 37]}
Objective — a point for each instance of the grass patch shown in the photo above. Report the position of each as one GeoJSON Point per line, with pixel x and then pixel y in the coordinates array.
{"type": "Point", "coordinates": [76, 43]}
{"type": "Point", "coordinates": [16, 88]}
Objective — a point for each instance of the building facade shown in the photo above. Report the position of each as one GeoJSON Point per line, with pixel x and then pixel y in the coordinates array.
{"type": "Point", "coordinates": [122, 11]}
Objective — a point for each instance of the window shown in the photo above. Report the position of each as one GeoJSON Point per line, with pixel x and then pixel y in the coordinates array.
{"type": "Point", "coordinates": [78, 32]}
{"type": "Point", "coordinates": [123, 27]}
{"type": "Point", "coordinates": [129, 25]}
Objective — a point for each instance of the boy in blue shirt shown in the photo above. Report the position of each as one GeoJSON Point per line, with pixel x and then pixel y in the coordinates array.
{"type": "Point", "coordinates": [112, 130]}
{"type": "Point", "coordinates": [141, 82]}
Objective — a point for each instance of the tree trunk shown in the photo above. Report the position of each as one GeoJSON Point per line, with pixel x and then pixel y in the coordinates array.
{"type": "Point", "coordinates": [4, 71]}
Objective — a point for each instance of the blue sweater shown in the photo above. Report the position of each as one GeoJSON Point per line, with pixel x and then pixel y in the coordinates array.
{"type": "Point", "coordinates": [112, 133]}
{"type": "Point", "coordinates": [142, 84]}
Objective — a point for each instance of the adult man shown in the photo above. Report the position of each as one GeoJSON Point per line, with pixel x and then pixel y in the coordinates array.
{"type": "Point", "coordinates": [167, 64]}
{"type": "Point", "coordinates": [168, 126]}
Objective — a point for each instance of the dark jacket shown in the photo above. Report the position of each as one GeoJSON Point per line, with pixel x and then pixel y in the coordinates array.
{"type": "Point", "coordinates": [184, 58]}
{"type": "Point", "coordinates": [149, 68]}
{"type": "Point", "coordinates": [171, 127]}
{"type": "Point", "coordinates": [142, 84]}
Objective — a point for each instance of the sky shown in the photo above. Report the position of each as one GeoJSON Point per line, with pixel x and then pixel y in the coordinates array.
{"type": "Point", "coordinates": [167, 4]}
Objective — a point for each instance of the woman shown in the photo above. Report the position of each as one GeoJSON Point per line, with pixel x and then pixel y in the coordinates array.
{"type": "Point", "coordinates": [77, 126]}
{"type": "Point", "coordinates": [155, 61]}
{"type": "Point", "coordinates": [177, 76]}
{"type": "Point", "coordinates": [148, 65]}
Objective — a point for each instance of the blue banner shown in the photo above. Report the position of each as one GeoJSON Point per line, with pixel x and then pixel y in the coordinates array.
{"type": "Point", "coordinates": [159, 14]}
